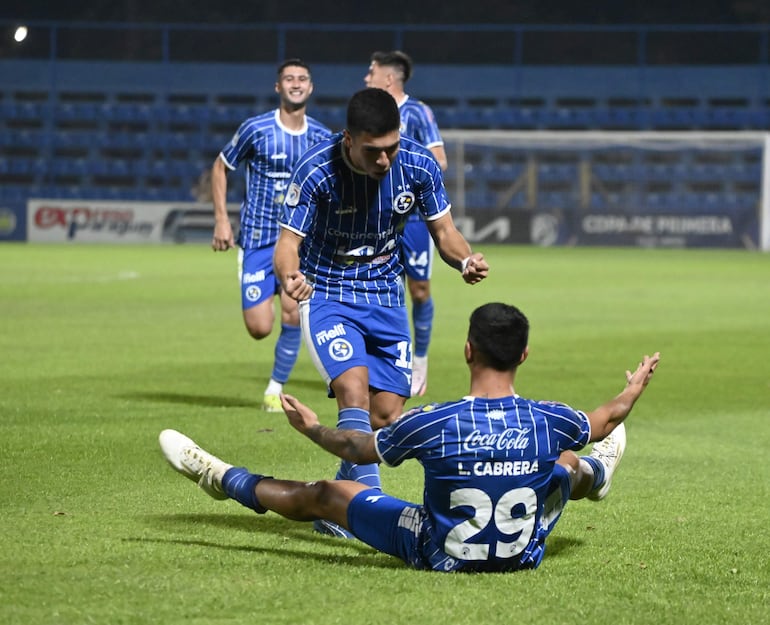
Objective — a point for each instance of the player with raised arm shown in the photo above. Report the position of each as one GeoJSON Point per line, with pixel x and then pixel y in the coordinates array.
{"type": "Point", "coordinates": [270, 144]}
{"type": "Point", "coordinates": [391, 71]}
{"type": "Point", "coordinates": [498, 468]}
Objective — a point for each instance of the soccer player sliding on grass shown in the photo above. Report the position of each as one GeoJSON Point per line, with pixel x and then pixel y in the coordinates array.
{"type": "Point", "coordinates": [498, 467]}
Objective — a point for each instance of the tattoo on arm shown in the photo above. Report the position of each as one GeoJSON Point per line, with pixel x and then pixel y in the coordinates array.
{"type": "Point", "coordinates": [346, 444]}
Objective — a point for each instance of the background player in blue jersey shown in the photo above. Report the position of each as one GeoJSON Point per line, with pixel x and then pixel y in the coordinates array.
{"type": "Point", "coordinates": [338, 254]}
{"type": "Point", "coordinates": [269, 144]}
{"type": "Point", "coordinates": [390, 71]}
{"type": "Point", "coordinates": [498, 468]}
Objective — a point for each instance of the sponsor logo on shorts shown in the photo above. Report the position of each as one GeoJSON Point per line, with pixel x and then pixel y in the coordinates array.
{"type": "Point", "coordinates": [340, 350]}
{"type": "Point", "coordinates": [327, 335]}
{"type": "Point", "coordinates": [251, 278]}
{"type": "Point", "coordinates": [253, 293]}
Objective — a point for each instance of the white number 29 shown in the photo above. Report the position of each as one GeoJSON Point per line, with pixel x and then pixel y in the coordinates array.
{"type": "Point", "coordinates": [523, 523]}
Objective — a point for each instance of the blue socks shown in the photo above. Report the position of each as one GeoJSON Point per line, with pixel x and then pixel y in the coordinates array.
{"type": "Point", "coordinates": [598, 469]}
{"type": "Point", "coordinates": [286, 352]}
{"type": "Point", "coordinates": [239, 484]}
{"type": "Point", "coordinates": [422, 319]}
{"type": "Point", "coordinates": [368, 474]}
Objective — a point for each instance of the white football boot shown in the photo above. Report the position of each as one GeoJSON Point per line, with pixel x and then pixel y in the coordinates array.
{"type": "Point", "coordinates": [608, 451]}
{"type": "Point", "coordinates": [186, 457]}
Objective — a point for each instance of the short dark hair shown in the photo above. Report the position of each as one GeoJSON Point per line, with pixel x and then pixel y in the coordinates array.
{"type": "Point", "coordinates": [499, 334]}
{"type": "Point", "coordinates": [373, 111]}
{"type": "Point", "coordinates": [292, 63]}
{"type": "Point", "coordinates": [400, 61]}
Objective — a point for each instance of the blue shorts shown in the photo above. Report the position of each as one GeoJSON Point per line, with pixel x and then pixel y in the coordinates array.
{"type": "Point", "coordinates": [340, 336]}
{"type": "Point", "coordinates": [255, 272]}
{"type": "Point", "coordinates": [402, 529]}
{"type": "Point", "coordinates": [417, 249]}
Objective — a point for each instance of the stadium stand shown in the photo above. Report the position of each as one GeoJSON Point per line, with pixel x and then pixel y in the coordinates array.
{"type": "Point", "coordinates": [146, 130]}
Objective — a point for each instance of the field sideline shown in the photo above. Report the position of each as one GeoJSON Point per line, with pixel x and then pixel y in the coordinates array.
{"type": "Point", "coordinates": [102, 347]}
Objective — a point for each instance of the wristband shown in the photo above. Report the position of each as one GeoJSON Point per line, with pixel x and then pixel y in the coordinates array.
{"type": "Point", "coordinates": [464, 264]}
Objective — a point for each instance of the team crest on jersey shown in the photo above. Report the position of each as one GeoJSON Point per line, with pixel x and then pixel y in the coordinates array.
{"type": "Point", "coordinates": [253, 293]}
{"type": "Point", "coordinates": [340, 350]}
{"type": "Point", "coordinates": [403, 202]}
{"type": "Point", "coordinates": [292, 195]}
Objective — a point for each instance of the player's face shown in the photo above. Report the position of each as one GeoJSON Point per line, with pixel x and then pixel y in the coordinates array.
{"type": "Point", "coordinates": [371, 154]}
{"type": "Point", "coordinates": [294, 86]}
{"type": "Point", "coordinates": [377, 76]}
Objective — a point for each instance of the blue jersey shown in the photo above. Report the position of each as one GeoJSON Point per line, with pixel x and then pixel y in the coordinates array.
{"type": "Point", "coordinates": [352, 224]}
{"type": "Point", "coordinates": [270, 150]}
{"type": "Point", "coordinates": [417, 122]}
{"type": "Point", "coordinates": [488, 465]}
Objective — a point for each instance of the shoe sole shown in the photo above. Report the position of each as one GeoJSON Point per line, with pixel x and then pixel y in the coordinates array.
{"type": "Point", "coordinates": [272, 408]}
{"type": "Point", "coordinates": [327, 528]}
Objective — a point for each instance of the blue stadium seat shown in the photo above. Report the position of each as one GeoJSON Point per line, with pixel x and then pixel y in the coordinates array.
{"type": "Point", "coordinates": [129, 112]}
{"type": "Point", "coordinates": [78, 111]}
{"type": "Point", "coordinates": [725, 118]}
{"type": "Point", "coordinates": [230, 115]}
{"type": "Point", "coordinates": [69, 167]}
{"type": "Point", "coordinates": [557, 172]}
{"type": "Point", "coordinates": [72, 140]}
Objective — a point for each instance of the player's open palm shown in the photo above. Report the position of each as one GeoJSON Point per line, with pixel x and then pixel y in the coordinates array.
{"type": "Point", "coordinates": [300, 416]}
{"type": "Point", "coordinates": [644, 371]}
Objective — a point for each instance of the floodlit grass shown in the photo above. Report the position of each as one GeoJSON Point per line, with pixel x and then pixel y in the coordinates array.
{"type": "Point", "coordinates": [102, 347]}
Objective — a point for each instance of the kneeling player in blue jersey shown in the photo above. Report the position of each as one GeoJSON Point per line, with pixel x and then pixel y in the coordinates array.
{"type": "Point", "coordinates": [498, 467]}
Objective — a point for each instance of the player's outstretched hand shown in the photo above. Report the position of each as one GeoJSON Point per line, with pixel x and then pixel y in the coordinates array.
{"type": "Point", "coordinates": [476, 269]}
{"type": "Point", "coordinates": [296, 287]}
{"type": "Point", "coordinates": [300, 416]}
{"type": "Point", "coordinates": [643, 374]}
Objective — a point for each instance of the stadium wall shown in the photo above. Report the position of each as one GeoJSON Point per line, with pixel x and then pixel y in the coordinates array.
{"type": "Point", "coordinates": [461, 89]}
{"type": "Point", "coordinates": [749, 83]}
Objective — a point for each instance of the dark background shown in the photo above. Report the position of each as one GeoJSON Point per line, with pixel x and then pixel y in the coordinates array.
{"type": "Point", "coordinates": [401, 11]}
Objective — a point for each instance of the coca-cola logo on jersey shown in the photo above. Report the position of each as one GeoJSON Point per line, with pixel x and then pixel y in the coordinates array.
{"type": "Point", "coordinates": [508, 439]}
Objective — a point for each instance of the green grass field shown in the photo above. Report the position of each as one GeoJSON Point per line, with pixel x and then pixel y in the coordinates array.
{"type": "Point", "coordinates": [103, 347]}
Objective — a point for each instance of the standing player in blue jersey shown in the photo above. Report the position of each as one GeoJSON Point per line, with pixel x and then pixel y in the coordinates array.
{"type": "Point", "coordinates": [498, 468]}
{"type": "Point", "coordinates": [270, 144]}
{"type": "Point", "coordinates": [338, 254]}
{"type": "Point", "coordinates": [390, 71]}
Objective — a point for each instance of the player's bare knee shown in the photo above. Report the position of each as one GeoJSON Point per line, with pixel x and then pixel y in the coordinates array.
{"type": "Point", "coordinates": [258, 332]}
{"type": "Point", "coordinates": [419, 290]}
{"type": "Point", "coordinates": [381, 420]}
{"type": "Point", "coordinates": [258, 327]}
{"type": "Point", "coordinates": [322, 495]}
